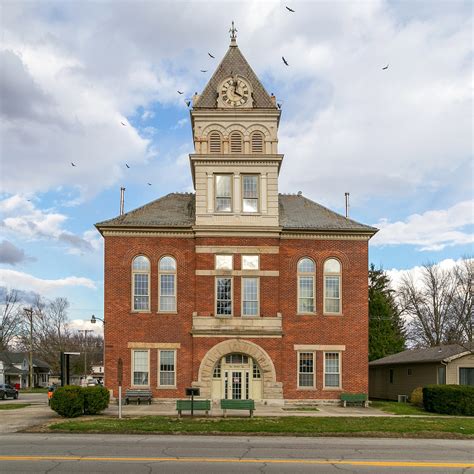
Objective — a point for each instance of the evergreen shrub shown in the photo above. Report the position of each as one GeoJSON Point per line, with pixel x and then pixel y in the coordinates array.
{"type": "Point", "coordinates": [449, 399]}
{"type": "Point", "coordinates": [68, 401]}
{"type": "Point", "coordinates": [96, 399]}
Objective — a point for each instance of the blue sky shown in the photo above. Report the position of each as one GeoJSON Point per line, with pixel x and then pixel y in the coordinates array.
{"type": "Point", "coordinates": [399, 140]}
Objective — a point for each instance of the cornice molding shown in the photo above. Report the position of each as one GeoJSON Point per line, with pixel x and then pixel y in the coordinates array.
{"type": "Point", "coordinates": [325, 236]}
{"type": "Point", "coordinates": [148, 233]}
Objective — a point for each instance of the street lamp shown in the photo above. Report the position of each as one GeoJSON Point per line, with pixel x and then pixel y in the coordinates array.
{"type": "Point", "coordinates": [93, 321]}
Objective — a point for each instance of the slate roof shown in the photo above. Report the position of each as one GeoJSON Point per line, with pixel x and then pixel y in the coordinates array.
{"type": "Point", "coordinates": [233, 63]}
{"type": "Point", "coordinates": [430, 354]}
{"type": "Point", "coordinates": [177, 210]}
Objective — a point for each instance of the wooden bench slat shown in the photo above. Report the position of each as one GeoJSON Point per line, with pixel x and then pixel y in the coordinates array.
{"type": "Point", "coordinates": [198, 405]}
{"type": "Point", "coordinates": [227, 404]}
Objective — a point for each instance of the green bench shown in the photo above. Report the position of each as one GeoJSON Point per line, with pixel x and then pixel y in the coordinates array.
{"type": "Point", "coordinates": [354, 398]}
{"type": "Point", "coordinates": [138, 395]}
{"type": "Point", "coordinates": [238, 405]}
{"type": "Point", "coordinates": [198, 405]}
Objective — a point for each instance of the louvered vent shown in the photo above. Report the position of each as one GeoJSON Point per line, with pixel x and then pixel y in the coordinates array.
{"type": "Point", "coordinates": [257, 142]}
{"type": "Point", "coordinates": [215, 142]}
{"type": "Point", "coordinates": [236, 142]}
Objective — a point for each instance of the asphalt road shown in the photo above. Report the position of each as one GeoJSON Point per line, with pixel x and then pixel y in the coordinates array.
{"type": "Point", "coordinates": [56, 453]}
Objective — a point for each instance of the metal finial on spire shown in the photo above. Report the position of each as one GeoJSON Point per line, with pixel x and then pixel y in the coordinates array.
{"type": "Point", "coordinates": [233, 32]}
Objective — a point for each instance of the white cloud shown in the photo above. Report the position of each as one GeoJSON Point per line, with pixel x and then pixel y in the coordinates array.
{"type": "Point", "coordinates": [80, 324]}
{"type": "Point", "coordinates": [23, 219]}
{"type": "Point", "coordinates": [180, 123]}
{"type": "Point", "coordinates": [432, 230]}
{"type": "Point", "coordinates": [27, 282]}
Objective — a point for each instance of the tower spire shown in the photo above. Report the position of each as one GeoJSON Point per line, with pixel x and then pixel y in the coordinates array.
{"type": "Point", "coordinates": [233, 34]}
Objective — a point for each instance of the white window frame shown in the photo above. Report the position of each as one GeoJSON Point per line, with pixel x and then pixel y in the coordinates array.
{"type": "Point", "coordinates": [258, 297]}
{"type": "Point", "coordinates": [132, 365]}
{"type": "Point", "coordinates": [141, 272]}
{"type": "Point", "coordinates": [175, 295]}
{"type": "Point", "coordinates": [339, 387]}
{"type": "Point", "coordinates": [230, 176]}
{"type": "Point", "coordinates": [305, 275]}
{"type": "Point", "coordinates": [332, 274]}
{"type": "Point", "coordinates": [216, 257]}
{"type": "Point", "coordinates": [298, 358]}
{"type": "Point", "coordinates": [228, 277]}
{"type": "Point", "coordinates": [242, 178]}
{"type": "Point", "coordinates": [174, 351]}
{"type": "Point", "coordinates": [250, 269]}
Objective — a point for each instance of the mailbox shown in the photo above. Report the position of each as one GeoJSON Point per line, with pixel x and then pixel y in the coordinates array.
{"type": "Point", "coordinates": [192, 392]}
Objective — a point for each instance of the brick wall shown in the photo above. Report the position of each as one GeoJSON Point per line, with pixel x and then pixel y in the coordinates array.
{"type": "Point", "coordinates": [277, 294]}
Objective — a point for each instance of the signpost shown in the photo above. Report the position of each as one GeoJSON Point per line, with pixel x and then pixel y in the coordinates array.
{"type": "Point", "coordinates": [191, 392]}
{"type": "Point", "coordinates": [65, 366]}
{"type": "Point", "coordinates": [119, 379]}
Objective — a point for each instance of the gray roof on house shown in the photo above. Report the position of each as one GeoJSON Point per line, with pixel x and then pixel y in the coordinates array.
{"type": "Point", "coordinates": [234, 63]}
{"type": "Point", "coordinates": [429, 354]}
{"type": "Point", "coordinates": [177, 210]}
{"type": "Point", "coordinates": [19, 357]}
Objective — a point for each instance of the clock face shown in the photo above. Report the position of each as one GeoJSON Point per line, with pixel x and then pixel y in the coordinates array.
{"type": "Point", "coordinates": [235, 92]}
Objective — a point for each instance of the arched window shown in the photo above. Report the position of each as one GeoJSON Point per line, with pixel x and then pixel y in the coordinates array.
{"type": "Point", "coordinates": [256, 142]}
{"type": "Point", "coordinates": [236, 142]}
{"type": "Point", "coordinates": [215, 142]}
{"type": "Point", "coordinates": [141, 283]}
{"type": "Point", "coordinates": [332, 286]}
{"type": "Point", "coordinates": [306, 285]}
{"type": "Point", "coordinates": [167, 285]}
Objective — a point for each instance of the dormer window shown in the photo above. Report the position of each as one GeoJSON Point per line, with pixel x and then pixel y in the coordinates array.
{"type": "Point", "coordinates": [236, 142]}
{"type": "Point", "coordinates": [223, 188]}
{"type": "Point", "coordinates": [256, 141]}
{"type": "Point", "coordinates": [249, 193]}
{"type": "Point", "coordinates": [215, 142]}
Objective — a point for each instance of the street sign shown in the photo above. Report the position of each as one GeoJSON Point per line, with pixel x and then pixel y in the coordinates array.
{"type": "Point", "coordinates": [192, 392]}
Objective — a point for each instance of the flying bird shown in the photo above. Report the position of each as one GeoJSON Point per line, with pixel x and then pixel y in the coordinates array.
{"type": "Point", "coordinates": [179, 92]}
{"type": "Point", "coordinates": [127, 165]}
{"type": "Point", "coordinates": [203, 70]}
{"type": "Point", "coordinates": [279, 106]}
{"type": "Point", "coordinates": [285, 61]}
{"type": "Point", "coordinates": [149, 184]}
{"type": "Point", "coordinates": [386, 67]}
{"type": "Point", "coordinates": [187, 102]}
{"type": "Point", "coordinates": [210, 55]}
{"type": "Point", "coordinates": [124, 124]}
{"type": "Point", "coordinates": [72, 164]}
{"type": "Point", "coordinates": [290, 10]}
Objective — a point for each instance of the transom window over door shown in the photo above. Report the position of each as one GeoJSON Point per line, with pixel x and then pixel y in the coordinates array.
{"type": "Point", "coordinates": [236, 142]}
{"type": "Point", "coordinates": [140, 284]}
{"type": "Point", "coordinates": [223, 296]}
{"type": "Point", "coordinates": [223, 188]}
{"type": "Point", "coordinates": [332, 286]}
{"type": "Point", "coordinates": [167, 284]}
{"type": "Point", "coordinates": [306, 282]}
{"type": "Point", "coordinates": [250, 193]}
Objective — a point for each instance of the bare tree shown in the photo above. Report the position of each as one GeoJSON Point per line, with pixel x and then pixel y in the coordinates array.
{"type": "Point", "coordinates": [10, 318]}
{"type": "Point", "coordinates": [439, 304]}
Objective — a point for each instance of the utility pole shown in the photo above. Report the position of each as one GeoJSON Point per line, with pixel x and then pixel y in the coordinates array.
{"type": "Point", "coordinates": [85, 331]}
{"type": "Point", "coordinates": [29, 313]}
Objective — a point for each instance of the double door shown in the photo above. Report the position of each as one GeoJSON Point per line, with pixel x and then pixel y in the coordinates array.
{"type": "Point", "coordinates": [237, 384]}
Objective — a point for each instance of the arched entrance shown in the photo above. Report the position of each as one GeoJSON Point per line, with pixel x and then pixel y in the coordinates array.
{"type": "Point", "coordinates": [271, 390]}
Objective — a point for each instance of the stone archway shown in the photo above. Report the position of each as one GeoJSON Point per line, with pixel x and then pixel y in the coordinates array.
{"type": "Point", "coordinates": [272, 390]}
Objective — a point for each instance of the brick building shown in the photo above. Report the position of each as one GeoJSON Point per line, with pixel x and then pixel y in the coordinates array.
{"type": "Point", "coordinates": [236, 289]}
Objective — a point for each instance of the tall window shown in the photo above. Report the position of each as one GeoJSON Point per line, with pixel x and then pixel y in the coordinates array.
{"type": "Point", "coordinates": [256, 141]}
{"type": "Point", "coordinates": [250, 296]}
{"type": "Point", "coordinates": [305, 369]}
{"type": "Point", "coordinates": [332, 371]}
{"type": "Point", "coordinates": [442, 375]}
{"type": "Point", "coordinates": [223, 296]}
{"type": "Point", "coordinates": [236, 142]}
{"type": "Point", "coordinates": [466, 376]}
{"type": "Point", "coordinates": [223, 193]}
{"type": "Point", "coordinates": [167, 284]}
{"type": "Point", "coordinates": [306, 273]}
{"type": "Point", "coordinates": [141, 283]}
{"type": "Point", "coordinates": [140, 361]}
{"type": "Point", "coordinates": [332, 286]}
{"type": "Point", "coordinates": [249, 193]}
{"type": "Point", "coordinates": [167, 364]}
{"type": "Point", "coordinates": [215, 142]}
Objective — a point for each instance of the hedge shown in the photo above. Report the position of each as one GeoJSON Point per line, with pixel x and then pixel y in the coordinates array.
{"type": "Point", "coordinates": [449, 399]}
{"type": "Point", "coordinates": [72, 401]}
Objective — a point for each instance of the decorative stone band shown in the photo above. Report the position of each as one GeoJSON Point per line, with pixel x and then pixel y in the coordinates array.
{"type": "Point", "coordinates": [148, 233]}
{"type": "Point", "coordinates": [325, 236]}
{"type": "Point", "coordinates": [318, 347]}
{"type": "Point", "coordinates": [154, 345]}
{"type": "Point", "coordinates": [237, 249]}
{"type": "Point", "coordinates": [256, 273]}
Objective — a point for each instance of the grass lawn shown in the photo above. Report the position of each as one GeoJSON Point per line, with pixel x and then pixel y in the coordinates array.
{"type": "Point", "coordinates": [308, 408]}
{"type": "Point", "coordinates": [34, 390]}
{"type": "Point", "coordinates": [396, 408]}
{"type": "Point", "coordinates": [429, 427]}
{"type": "Point", "coordinates": [13, 406]}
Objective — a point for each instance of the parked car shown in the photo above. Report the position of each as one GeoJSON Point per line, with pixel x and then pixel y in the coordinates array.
{"type": "Point", "coordinates": [7, 390]}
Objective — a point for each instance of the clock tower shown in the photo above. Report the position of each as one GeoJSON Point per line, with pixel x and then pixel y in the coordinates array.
{"type": "Point", "coordinates": [235, 164]}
